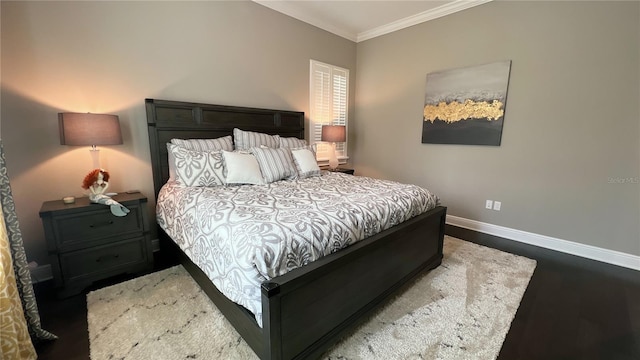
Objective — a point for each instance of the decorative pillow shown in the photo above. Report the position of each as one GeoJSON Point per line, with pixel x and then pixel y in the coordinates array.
{"type": "Point", "coordinates": [221, 143]}
{"type": "Point", "coordinates": [197, 168]}
{"type": "Point", "coordinates": [275, 164]}
{"type": "Point", "coordinates": [172, 165]}
{"type": "Point", "coordinates": [244, 140]}
{"type": "Point", "coordinates": [306, 163]}
{"type": "Point", "coordinates": [242, 168]}
{"type": "Point", "coordinates": [292, 142]}
{"type": "Point", "coordinates": [313, 148]}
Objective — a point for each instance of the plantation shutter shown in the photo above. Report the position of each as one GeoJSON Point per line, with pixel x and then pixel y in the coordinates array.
{"type": "Point", "coordinates": [329, 93]}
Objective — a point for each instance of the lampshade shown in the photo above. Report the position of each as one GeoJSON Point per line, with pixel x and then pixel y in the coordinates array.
{"type": "Point", "coordinates": [89, 129]}
{"type": "Point", "coordinates": [334, 133]}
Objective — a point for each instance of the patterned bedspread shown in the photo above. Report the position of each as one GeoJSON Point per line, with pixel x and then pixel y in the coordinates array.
{"type": "Point", "coordinates": [241, 236]}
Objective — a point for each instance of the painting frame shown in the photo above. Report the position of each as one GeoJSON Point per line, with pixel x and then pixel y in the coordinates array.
{"type": "Point", "coordinates": [466, 106]}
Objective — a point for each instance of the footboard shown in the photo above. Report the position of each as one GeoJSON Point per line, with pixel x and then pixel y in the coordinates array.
{"type": "Point", "coordinates": [306, 310]}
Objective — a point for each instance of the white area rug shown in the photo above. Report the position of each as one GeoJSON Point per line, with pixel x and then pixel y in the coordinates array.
{"type": "Point", "coordinates": [460, 310]}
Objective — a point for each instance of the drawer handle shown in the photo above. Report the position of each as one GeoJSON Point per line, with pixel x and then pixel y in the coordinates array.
{"type": "Point", "coordinates": [107, 257]}
{"type": "Point", "coordinates": [105, 223]}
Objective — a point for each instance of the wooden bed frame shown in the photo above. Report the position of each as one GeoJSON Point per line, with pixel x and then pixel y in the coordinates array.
{"type": "Point", "coordinates": [308, 309]}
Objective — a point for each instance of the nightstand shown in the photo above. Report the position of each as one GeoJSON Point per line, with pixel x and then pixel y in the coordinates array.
{"type": "Point", "coordinates": [86, 242]}
{"type": "Point", "coordinates": [343, 170]}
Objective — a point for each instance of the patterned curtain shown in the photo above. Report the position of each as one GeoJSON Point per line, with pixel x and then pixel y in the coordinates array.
{"type": "Point", "coordinates": [19, 318]}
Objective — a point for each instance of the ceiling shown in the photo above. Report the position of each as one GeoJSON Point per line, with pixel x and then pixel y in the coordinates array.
{"type": "Point", "coordinates": [366, 19]}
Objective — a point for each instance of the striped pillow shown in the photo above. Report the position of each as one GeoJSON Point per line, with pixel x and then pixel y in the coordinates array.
{"type": "Point", "coordinates": [292, 142]}
{"type": "Point", "coordinates": [245, 140]}
{"type": "Point", "coordinates": [221, 143]}
{"type": "Point", "coordinates": [275, 164]}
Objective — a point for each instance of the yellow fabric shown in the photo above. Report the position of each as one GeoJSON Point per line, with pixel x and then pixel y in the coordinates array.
{"type": "Point", "coordinates": [15, 342]}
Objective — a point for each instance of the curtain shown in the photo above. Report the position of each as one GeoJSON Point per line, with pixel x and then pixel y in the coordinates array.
{"type": "Point", "coordinates": [14, 334]}
{"type": "Point", "coordinates": [19, 318]}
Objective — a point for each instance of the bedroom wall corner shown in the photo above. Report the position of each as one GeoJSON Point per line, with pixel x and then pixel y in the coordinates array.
{"type": "Point", "coordinates": [569, 163]}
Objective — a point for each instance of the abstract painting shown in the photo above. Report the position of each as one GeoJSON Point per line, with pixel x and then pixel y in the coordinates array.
{"type": "Point", "coordinates": [466, 105]}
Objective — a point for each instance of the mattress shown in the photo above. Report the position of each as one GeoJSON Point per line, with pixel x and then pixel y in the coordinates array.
{"type": "Point", "coordinates": [241, 236]}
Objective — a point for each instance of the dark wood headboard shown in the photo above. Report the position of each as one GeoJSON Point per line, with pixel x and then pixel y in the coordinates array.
{"type": "Point", "coordinates": [176, 119]}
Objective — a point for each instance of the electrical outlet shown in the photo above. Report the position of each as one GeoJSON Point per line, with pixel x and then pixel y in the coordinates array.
{"type": "Point", "coordinates": [488, 204]}
{"type": "Point", "coordinates": [497, 205]}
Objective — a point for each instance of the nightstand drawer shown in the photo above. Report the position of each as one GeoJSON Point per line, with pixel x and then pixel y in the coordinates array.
{"type": "Point", "coordinates": [73, 229]}
{"type": "Point", "coordinates": [96, 261]}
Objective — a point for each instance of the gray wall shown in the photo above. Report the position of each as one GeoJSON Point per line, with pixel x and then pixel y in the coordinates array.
{"type": "Point", "coordinates": [107, 57]}
{"type": "Point", "coordinates": [571, 124]}
{"type": "Point", "coordinates": [572, 119]}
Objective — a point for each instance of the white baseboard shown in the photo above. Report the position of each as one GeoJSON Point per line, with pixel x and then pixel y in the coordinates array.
{"type": "Point", "coordinates": [41, 273]}
{"type": "Point", "coordinates": [569, 247]}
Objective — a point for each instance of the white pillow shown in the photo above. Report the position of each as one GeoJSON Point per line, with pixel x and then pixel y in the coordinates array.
{"type": "Point", "coordinates": [221, 143]}
{"type": "Point", "coordinates": [197, 168]}
{"type": "Point", "coordinates": [244, 140]}
{"type": "Point", "coordinates": [242, 168]}
{"type": "Point", "coordinates": [292, 142]}
{"type": "Point", "coordinates": [306, 163]}
{"type": "Point", "coordinates": [275, 164]}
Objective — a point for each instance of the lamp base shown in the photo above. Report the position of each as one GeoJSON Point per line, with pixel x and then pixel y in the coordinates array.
{"type": "Point", "coordinates": [333, 159]}
{"type": "Point", "coordinates": [95, 157]}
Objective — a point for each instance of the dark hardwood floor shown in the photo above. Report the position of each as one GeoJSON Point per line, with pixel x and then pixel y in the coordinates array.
{"type": "Point", "coordinates": [574, 308]}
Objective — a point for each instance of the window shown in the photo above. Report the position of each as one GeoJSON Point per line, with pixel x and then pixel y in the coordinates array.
{"type": "Point", "coordinates": [329, 93]}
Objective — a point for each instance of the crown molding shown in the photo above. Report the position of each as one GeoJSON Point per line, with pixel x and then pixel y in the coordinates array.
{"type": "Point", "coordinates": [431, 14]}
{"type": "Point", "coordinates": [284, 8]}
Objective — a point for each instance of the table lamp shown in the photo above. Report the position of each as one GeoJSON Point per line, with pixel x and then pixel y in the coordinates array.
{"type": "Point", "coordinates": [333, 134]}
{"type": "Point", "coordinates": [78, 129]}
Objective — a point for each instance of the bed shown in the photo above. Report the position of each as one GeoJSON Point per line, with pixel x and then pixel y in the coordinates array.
{"type": "Point", "coordinates": [306, 310]}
